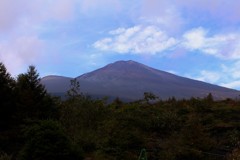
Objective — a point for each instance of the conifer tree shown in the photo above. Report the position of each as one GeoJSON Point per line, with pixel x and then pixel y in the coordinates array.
{"type": "Point", "coordinates": [34, 102]}
{"type": "Point", "coordinates": [6, 97]}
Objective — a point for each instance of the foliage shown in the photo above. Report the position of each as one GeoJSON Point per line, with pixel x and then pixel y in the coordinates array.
{"type": "Point", "coordinates": [7, 106]}
{"type": "Point", "coordinates": [35, 126]}
{"type": "Point", "coordinates": [235, 155]}
{"type": "Point", "coordinates": [33, 100]}
{"type": "Point", "coordinates": [46, 140]}
{"type": "Point", "coordinates": [5, 156]}
{"type": "Point", "coordinates": [74, 91]}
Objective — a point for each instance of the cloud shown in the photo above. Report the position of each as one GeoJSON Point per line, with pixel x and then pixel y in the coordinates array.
{"type": "Point", "coordinates": [223, 11]}
{"type": "Point", "coordinates": [176, 15]}
{"type": "Point", "coordinates": [16, 13]}
{"type": "Point", "coordinates": [226, 75]}
{"type": "Point", "coordinates": [231, 75]}
{"type": "Point", "coordinates": [234, 84]}
{"type": "Point", "coordinates": [20, 52]}
{"type": "Point", "coordinates": [161, 13]}
{"type": "Point", "coordinates": [232, 69]}
{"type": "Point", "coordinates": [154, 27]}
{"type": "Point", "coordinates": [224, 46]}
{"type": "Point", "coordinates": [62, 9]}
{"type": "Point", "coordinates": [207, 76]}
{"type": "Point", "coordinates": [88, 7]}
{"type": "Point", "coordinates": [152, 40]}
{"type": "Point", "coordinates": [136, 40]}
{"type": "Point", "coordinates": [9, 11]}
{"type": "Point", "coordinates": [20, 42]}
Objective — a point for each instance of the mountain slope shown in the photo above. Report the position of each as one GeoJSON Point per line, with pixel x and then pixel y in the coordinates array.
{"type": "Point", "coordinates": [129, 80]}
{"type": "Point", "coordinates": [56, 85]}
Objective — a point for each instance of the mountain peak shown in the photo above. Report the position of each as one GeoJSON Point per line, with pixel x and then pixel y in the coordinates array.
{"type": "Point", "coordinates": [122, 62]}
{"type": "Point", "coordinates": [130, 79]}
{"type": "Point", "coordinates": [127, 65]}
{"type": "Point", "coordinates": [51, 77]}
{"type": "Point", "coordinates": [121, 69]}
{"type": "Point", "coordinates": [127, 62]}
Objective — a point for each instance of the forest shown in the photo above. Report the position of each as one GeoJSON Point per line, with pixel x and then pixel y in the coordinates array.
{"type": "Point", "coordinates": [37, 126]}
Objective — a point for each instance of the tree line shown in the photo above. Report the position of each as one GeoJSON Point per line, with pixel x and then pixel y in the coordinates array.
{"type": "Point", "coordinates": [36, 126]}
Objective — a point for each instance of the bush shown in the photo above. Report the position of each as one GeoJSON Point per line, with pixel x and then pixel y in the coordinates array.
{"type": "Point", "coordinates": [5, 156]}
{"type": "Point", "coordinates": [46, 140]}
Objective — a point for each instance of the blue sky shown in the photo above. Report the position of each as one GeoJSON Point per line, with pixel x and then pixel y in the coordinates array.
{"type": "Point", "coordinates": [199, 39]}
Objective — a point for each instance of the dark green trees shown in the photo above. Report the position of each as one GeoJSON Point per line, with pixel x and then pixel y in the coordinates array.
{"type": "Point", "coordinates": [7, 105]}
{"type": "Point", "coordinates": [30, 127]}
{"type": "Point", "coordinates": [25, 107]}
{"type": "Point", "coordinates": [74, 91]}
{"type": "Point", "coordinates": [46, 140]}
{"type": "Point", "coordinates": [33, 101]}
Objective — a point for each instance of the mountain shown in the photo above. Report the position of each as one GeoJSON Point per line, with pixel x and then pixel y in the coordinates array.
{"type": "Point", "coordinates": [128, 80]}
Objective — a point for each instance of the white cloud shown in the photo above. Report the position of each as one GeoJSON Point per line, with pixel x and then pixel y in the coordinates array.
{"type": "Point", "coordinates": [117, 31]}
{"type": "Point", "coordinates": [172, 71]}
{"type": "Point", "coordinates": [137, 40]}
{"type": "Point", "coordinates": [195, 39]}
{"type": "Point", "coordinates": [232, 70]}
{"type": "Point", "coordinates": [208, 76]}
{"type": "Point", "coordinates": [232, 75]}
{"type": "Point", "coordinates": [234, 84]}
{"type": "Point", "coordinates": [226, 75]}
{"type": "Point", "coordinates": [224, 46]}
{"type": "Point", "coordinates": [152, 40]}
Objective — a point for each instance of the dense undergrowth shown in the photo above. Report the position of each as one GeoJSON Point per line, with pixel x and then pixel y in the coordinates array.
{"type": "Point", "coordinates": [36, 126]}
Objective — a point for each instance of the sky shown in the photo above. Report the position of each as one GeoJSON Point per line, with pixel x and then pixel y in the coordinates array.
{"type": "Point", "coordinates": [198, 39]}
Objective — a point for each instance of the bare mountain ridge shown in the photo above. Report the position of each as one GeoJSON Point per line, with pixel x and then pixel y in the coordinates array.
{"type": "Point", "coordinates": [128, 80]}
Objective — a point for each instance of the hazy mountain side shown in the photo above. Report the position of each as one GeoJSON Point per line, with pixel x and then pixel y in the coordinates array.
{"type": "Point", "coordinates": [56, 84]}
